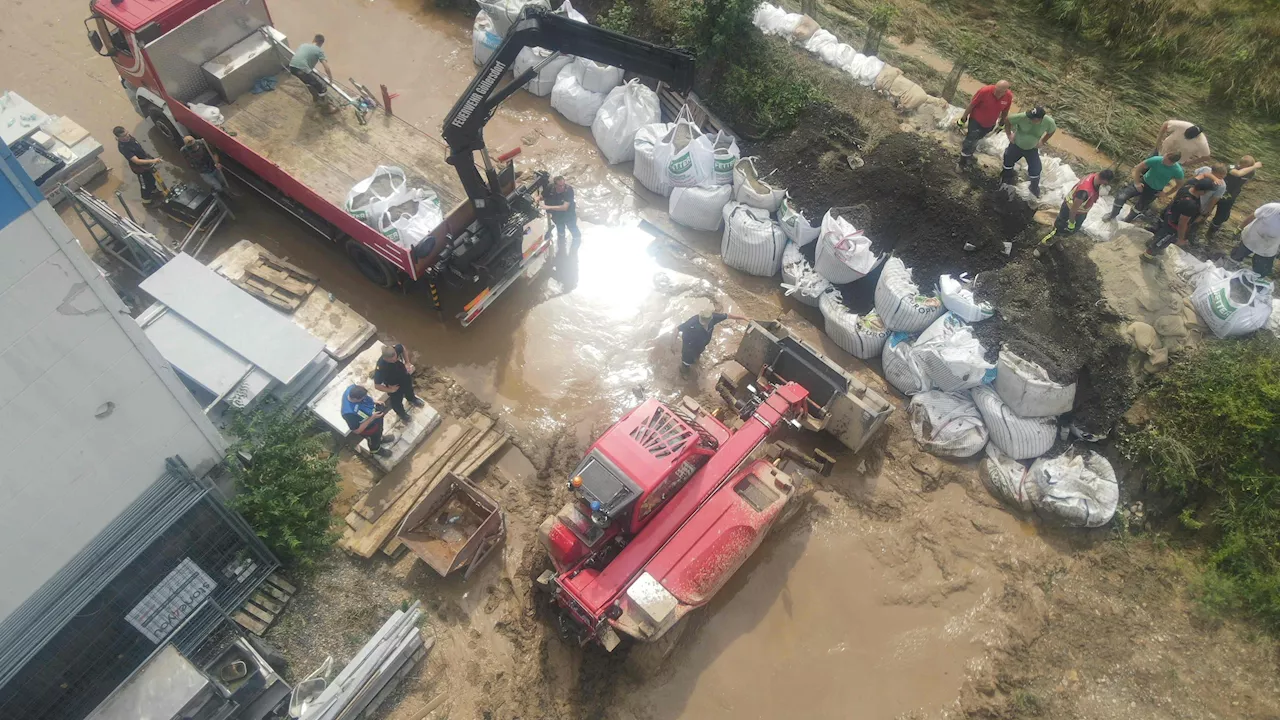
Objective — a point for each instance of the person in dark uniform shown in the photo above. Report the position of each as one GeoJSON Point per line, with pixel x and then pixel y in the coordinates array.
{"type": "Point", "coordinates": [141, 163]}
{"type": "Point", "coordinates": [364, 417]}
{"type": "Point", "coordinates": [394, 376]}
{"type": "Point", "coordinates": [1178, 217]}
{"type": "Point", "coordinates": [559, 203]}
{"type": "Point", "coordinates": [1236, 179]}
{"type": "Point", "coordinates": [695, 334]}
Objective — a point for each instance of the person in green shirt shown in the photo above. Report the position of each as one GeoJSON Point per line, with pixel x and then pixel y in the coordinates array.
{"type": "Point", "coordinates": [1154, 176]}
{"type": "Point", "coordinates": [1028, 132]}
{"type": "Point", "coordinates": [303, 66]}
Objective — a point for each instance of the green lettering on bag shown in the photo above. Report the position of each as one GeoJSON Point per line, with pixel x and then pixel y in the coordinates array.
{"type": "Point", "coordinates": [1221, 305]}
{"type": "Point", "coordinates": [682, 163]}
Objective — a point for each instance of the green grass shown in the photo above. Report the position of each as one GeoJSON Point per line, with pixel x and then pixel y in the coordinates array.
{"type": "Point", "coordinates": [1212, 448]}
{"type": "Point", "coordinates": [1114, 98]}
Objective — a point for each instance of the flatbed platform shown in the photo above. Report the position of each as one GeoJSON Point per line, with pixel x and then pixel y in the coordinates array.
{"type": "Point", "coordinates": [331, 152]}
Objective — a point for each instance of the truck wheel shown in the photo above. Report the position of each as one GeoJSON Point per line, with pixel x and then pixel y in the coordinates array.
{"type": "Point", "coordinates": [371, 266]}
{"type": "Point", "coordinates": [164, 127]}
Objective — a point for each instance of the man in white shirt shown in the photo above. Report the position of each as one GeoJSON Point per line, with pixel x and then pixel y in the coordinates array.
{"type": "Point", "coordinates": [1186, 138]}
{"type": "Point", "coordinates": [1261, 236]}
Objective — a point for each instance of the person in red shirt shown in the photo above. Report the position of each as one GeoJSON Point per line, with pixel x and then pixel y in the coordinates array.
{"type": "Point", "coordinates": [988, 109]}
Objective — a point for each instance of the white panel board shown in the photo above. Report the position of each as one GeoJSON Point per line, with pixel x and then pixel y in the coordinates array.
{"type": "Point", "coordinates": [233, 317]}
{"type": "Point", "coordinates": [200, 357]}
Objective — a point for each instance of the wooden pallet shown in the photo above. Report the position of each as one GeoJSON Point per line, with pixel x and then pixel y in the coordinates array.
{"type": "Point", "coordinates": [278, 283]}
{"type": "Point", "coordinates": [265, 605]}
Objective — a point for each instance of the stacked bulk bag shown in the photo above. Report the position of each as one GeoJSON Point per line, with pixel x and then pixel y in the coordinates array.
{"type": "Point", "coordinates": [544, 81]}
{"type": "Point", "coordinates": [1028, 390]}
{"type": "Point", "coordinates": [700, 208]}
{"type": "Point", "coordinates": [598, 77]}
{"type": "Point", "coordinates": [1076, 489]}
{"type": "Point", "coordinates": [651, 157]}
{"type": "Point", "coordinates": [844, 254]}
{"type": "Point", "coordinates": [947, 424]}
{"type": "Point", "coordinates": [626, 109]}
{"type": "Point", "coordinates": [899, 364]}
{"type": "Point", "coordinates": [752, 242]}
{"type": "Point", "coordinates": [724, 155]}
{"type": "Point", "coordinates": [748, 188]}
{"type": "Point", "coordinates": [799, 279]}
{"type": "Point", "coordinates": [1020, 438]}
{"type": "Point", "coordinates": [957, 297]}
{"type": "Point", "coordinates": [1006, 478]}
{"type": "Point", "coordinates": [774, 20]}
{"type": "Point", "coordinates": [794, 224]}
{"type": "Point", "coordinates": [484, 38]}
{"type": "Point", "coordinates": [570, 98]}
{"type": "Point", "coordinates": [1232, 304]}
{"type": "Point", "coordinates": [949, 355]}
{"type": "Point", "coordinates": [689, 153]}
{"type": "Point", "coordinates": [862, 336]}
{"type": "Point", "coordinates": [899, 302]}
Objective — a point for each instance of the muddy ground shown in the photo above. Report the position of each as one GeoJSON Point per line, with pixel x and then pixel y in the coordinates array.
{"type": "Point", "coordinates": [902, 591]}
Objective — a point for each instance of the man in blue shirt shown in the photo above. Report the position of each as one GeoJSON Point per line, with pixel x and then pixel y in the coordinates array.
{"type": "Point", "coordinates": [364, 417]}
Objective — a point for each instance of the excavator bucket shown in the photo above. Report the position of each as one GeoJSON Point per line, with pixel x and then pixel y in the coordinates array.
{"type": "Point", "coordinates": [839, 402]}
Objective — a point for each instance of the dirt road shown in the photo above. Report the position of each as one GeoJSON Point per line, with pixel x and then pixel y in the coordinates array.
{"type": "Point", "coordinates": [904, 591]}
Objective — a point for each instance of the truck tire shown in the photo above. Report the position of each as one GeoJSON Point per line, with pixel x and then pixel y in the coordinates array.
{"type": "Point", "coordinates": [165, 127]}
{"type": "Point", "coordinates": [374, 268]}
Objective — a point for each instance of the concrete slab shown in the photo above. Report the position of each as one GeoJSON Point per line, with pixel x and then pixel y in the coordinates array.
{"type": "Point", "coordinates": [232, 316]}
{"type": "Point", "coordinates": [343, 330]}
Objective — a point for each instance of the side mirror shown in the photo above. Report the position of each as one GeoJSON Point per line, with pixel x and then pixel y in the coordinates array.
{"type": "Point", "coordinates": [96, 41]}
{"type": "Point", "coordinates": [96, 33]}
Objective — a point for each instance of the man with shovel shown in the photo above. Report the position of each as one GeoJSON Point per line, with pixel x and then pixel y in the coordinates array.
{"type": "Point", "coordinates": [1076, 206]}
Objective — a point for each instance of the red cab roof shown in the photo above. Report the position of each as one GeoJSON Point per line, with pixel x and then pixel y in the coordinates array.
{"type": "Point", "coordinates": [132, 15]}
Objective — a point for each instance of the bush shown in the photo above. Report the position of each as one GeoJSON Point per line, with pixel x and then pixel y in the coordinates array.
{"type": "Point", "coordinates": [1211, 445]}
{"type": "Point", "coordinates": [285, 490]}
{"type": "Point", "coordinates": [620, 17]}
{"type": "Point", "coordinates": [764, 89]}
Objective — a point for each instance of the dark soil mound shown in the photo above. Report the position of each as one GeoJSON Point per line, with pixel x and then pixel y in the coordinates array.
{"type": "Point", "coordinates": [918, 206]}
{"type": "Point", "coordinates": [1048, 310]}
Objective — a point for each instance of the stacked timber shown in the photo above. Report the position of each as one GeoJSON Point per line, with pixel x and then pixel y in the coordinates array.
{"type": "Point", "coordinates": [373, 674]}
{"type": "Point", "coordinates": [460, 448]}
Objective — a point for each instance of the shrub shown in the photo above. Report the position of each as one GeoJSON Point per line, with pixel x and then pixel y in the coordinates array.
{"type": "Point", "coordinates": [766, 91]}
{"type": "Point", "coordinates": [1213, 444]}
{"type": "Point", "coordinates": [284, 491]}
{"type": "Point", "coordinates": [620, 17]}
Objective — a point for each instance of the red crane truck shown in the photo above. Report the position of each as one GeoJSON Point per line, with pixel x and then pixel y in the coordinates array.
{"type": "Point", "coordinates": [172, 54]}
{"type": "Point", "coordinates": [670, 501]}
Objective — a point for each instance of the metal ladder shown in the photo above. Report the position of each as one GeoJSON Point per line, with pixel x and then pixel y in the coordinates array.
{"type": "Point", "coordinates": [119, 236]}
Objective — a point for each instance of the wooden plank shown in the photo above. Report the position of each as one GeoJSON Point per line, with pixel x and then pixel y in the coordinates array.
{"type": "Point", "coordinates": [258, 613]}
{"type": "Point", "coordinates": [275, 592]}
{"type": "Point", "coordinates": [265, 296]}
{"type": "Point", "coordinates": [384, 495]}
{"type": "Point", "coordinates": [278, 580]}
{"type": "Point", "coordinates": [288, 267]}
{"type": "Point", "coordinates": [267, 603]}
{"type": "Point", "coordinates": [488, 453]}
{"type": "Point", "coordinates": [248, 623]}
{"type": "Point", "coordinates": [281, 279]}
{"type": "Point", "coordinates": [355, 522]}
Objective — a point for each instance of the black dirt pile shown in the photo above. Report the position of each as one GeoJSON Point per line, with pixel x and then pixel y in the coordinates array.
{"type": "Point", "coordinates": [1049, 311]}
{"type": "Point", "coordinates": [918, 205]}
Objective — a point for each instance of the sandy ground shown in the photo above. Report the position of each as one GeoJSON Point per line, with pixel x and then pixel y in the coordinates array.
{"type": "Point", "coordinates": [902, 591]}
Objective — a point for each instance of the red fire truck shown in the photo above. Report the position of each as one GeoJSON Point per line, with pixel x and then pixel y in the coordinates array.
{"type": "Point", "coordinates": [175, 54]}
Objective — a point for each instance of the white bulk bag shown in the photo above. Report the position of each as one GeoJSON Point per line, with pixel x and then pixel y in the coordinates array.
{"type": "Point", "coordinates": [1232, 304]}
{"type": "Point", "coordinates": [899, 363]}
{"type": "Point", "coordinates": [689, 152]}
{"type": "Point", "coordinates": [700, 208]}
{"type": "Point", "coordinates": [568, 97]}
{"type": "Point", "coordinates": [407, 222]}
{"type": "Point", "coordinates": [1006, 478]}
{"type": "Point", "coordinates": [864, 69]}
{"type": "Point", "coordinates": [626, 109]}
{"type": "Point", "coordinates": [598, 77]}
{"type": "Point", "coordinates": [899, 302]}
{"type": "Point", "coordinates": [566, 8]}
{"type": "Point", "coordinates": [504, 12]}
{"type": "Point", "coordinates": [724, 155]}
{"type": "Point", "coordinates": [862, 336]}
{"type": "Point", "coordinates": [994, 144]}
{"type": "Point", "coordinates": [1056, 180]}
{"type": "Point", "coordinates": [1077, 489]}
{"type": "Point", "coordinates": [1028, 390]}
{"type": "Point", "coordinates": [368, 200]}
{"type": "Point", "coordinates": [752, 242]}
{"type": "Point", "coordinates": [844, 254]}
{"type": "Point", "coordinates": [1020, 438]}
{"type": "Point", "coordinates": [750, 189]}
{"type": "Point", "coordinates": [651, 157]}
{"type": "Point", "coordinates": [208, 113]}
{"type": "Point", "coordinates": [795, 224]}
{"type": "Point", "coordinates": [947, 424]}
{"type": "Point", "coordinates": [799, 279]}
{"type": "Point", "coordinates": [837, 55]}
{"type": "Point", "coordinates": [819, 40]}
{"type": "Point", "coordinates": [958, 297]}
{"type": "Point", "coordinates": [544, 81]}
{"type": "Point", "coordinates": [774, 20]}
{"type": "Point", "coordinates": [949, 355]}
{"type": "Point", "coordinates": [484, 38]}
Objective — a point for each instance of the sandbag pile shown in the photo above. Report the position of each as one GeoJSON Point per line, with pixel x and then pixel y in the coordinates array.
{"type": "Point", "coordinates": [625, 110]}
{"type": "Point", "coordinates": [698, 168]}
{"type": "Point", "coordinates": [844, 253]}
{"type": "Point", "coordinates": [1021, 438]}
{"type": "Point", "coordinates": [950, 357]}
{"type": "Point", "coordinates": [385, 202]}
{"type": "Point", "coordinates": [803, 29]}
{"type": "Point", "coordinates": [799, 279]}
{"type": "Point", "coordinates": [1232, 303]}
{"type": "Point", "coordinates": [862, 336]}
